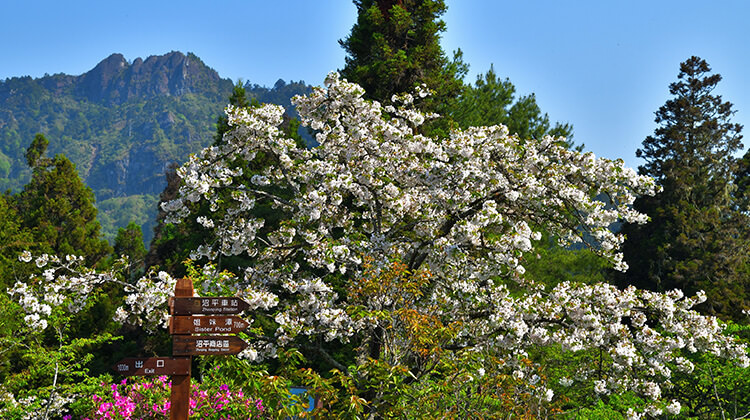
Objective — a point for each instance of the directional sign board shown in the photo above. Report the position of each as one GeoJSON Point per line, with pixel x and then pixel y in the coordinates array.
{"type": "Point", "coordinates": [207, 305]}
{"type": "Point", "coordinates": [206, 345]}
{"type": "Point", "coordinates": [210, 324]}
{"type": "Point", "coordinates": [152, 366]}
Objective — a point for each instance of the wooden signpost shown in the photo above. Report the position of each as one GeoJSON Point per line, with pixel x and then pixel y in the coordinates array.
{"type": "Point", "coordinates": [179, 399]}
{"type": "Point", "coordinates": [152, 366]}
{"type": "Point", "coordinates": [191, 315]}
{"type": "Point", "coordinates": [209, 305]}
{"type": "Point", "coordinates": [207, 344]}
{"type": "Point", "coordinates": [207, 325]}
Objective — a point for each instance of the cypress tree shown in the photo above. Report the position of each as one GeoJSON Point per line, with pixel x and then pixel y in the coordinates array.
{"type": "Point", "coordinates": [492, 101]}
{"type": "Point", "coordinates": [395, 45]}
{"type": "Point", "coordinates": [129, 242]}
{"type": "Point", "coordinates": [697, 239]}
{"type": "Point", "coordinates": [743, 181]}
{"type": "Point", "coordinates": [14, 239]}
{"type": "Point", "coordinates": [58, 208]}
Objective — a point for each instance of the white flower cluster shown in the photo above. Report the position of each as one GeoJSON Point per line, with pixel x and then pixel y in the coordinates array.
{"type": "Point", "coordinates": [53, 409]}
{"type": "Point", "coordinates": [66, 286]}
{"type": "Point", "coordinates": [461, 207]}
{"type": "Point", "coordinates": [146, 302]}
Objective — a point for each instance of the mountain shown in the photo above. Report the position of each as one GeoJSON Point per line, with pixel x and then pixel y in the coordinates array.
{"type": "Point", "coordinates": [122, 123]}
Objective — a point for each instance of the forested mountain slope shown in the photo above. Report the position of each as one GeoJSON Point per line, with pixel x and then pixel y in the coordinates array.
{"type": "Point", "coordinates": [122, 123]}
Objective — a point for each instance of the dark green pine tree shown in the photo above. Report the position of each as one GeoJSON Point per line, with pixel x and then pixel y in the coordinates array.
{"type": "Point", "coordinates": [395, 45]}
{"type": "Point", "coordinates": [492, 101]}
{"type": "Point", "coordinates": [14, 239]}
{"type": "Point", "coordinates": [129, 242]}
{"type": "Point", "coordinates": [743, 182]}
{"type": "Point", "coordinates": [697, 239]}
{"type": "Point", "coordinates": [58, 208]}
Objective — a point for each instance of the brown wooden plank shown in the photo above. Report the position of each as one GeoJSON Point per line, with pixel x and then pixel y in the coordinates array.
{"type": "Point", "coordinates": [152, 366]}
{"type": "Point", "coordinates": [207, 324]}
{"type": "Point", "coordinates": [206, 345]}
{"type": "Point", "coordinates": [222, 305]}
{"type": "Point", "coordinates": [179, 397]}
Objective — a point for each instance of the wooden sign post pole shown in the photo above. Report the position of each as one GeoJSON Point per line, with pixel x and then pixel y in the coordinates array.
{"type": "Point", "coordinates": [180, 397]}
{"type": "Point", "coordinates": [191, 315]}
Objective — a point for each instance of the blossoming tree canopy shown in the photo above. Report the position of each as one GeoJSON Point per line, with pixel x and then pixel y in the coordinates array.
{"type": "Point", "coordinates": [464, 208]}
{"type": "Point", "coordinates": [461, 212]}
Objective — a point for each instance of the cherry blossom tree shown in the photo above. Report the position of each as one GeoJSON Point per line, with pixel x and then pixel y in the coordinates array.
{"type": "Point", "coordinates": [465, 209]}
{"type": "Point", "coordinates": [458, 214]}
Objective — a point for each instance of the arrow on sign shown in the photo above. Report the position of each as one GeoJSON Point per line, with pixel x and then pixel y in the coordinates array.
{"type": "Point", "coordinates": [150, 366]}
{"type": "Point", "coordinates": [206, 344]}
{"type": "Point", "coordinates": [207, 324]}
{"type": "Point", "coordinates": [207, 305]}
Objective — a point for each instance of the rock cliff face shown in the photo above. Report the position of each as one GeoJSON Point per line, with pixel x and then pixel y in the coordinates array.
{"type": "Point", "coordinates": [121, 123]}
{"type": "Point", "coordinates": [115, 81]}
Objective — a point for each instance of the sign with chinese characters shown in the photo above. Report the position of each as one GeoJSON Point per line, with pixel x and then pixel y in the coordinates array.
{"type": "Point", "coordinates": [207, 305]}
{"type": "Point", "coordinates": [209, 324]}
{"type": "Point", "coordinates": [206, 345]}
{"type": "Point", "coordinates": [152, 366]}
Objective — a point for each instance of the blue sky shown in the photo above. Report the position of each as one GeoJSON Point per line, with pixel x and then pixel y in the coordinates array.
{"type": "Point", "coordinates": [602, 66]}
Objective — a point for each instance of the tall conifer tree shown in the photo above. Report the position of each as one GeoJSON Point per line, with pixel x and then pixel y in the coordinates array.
{"type": "Point", "coordinates": [129, 242]}
{"type": "Point", "coordinates": [743, 182]}
{"type": "Point", "coordinates": [395, 45]}
{"type": "Point", "coordinates": [697, 240]}
{"type": "Point", "coordinates": [58, 208]}
{"type": "Point", "coordinates": [492, 100]}
{"type": "Point", "coordinates": [13, 240]}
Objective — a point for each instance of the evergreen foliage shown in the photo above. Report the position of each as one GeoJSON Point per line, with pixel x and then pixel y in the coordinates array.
{"type": "Point", "coordinates": [743, 181]}
{"type": "Point", "coordinates": [36, 150]}
{"type": "Point", "coordinates": [395, 45]}
{"type": "Point", "coordinates": [492, 101]}
{"type": "Point", "coordinates": [697, 240]}
{"type": "Point", "coordinates": [53, 214]}
{"type": "Point", "coordinates": [129, 242]}
{"type": "Point", "coordinates": [58, 208]}
{"type": "Point", "coordinates": [14, 239]}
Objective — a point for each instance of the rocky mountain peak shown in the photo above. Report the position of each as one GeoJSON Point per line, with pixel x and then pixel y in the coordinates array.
{"type": "Point", "coordinates": [115, 81]}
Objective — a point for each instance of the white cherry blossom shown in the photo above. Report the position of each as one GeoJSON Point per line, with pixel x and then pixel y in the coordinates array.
{"type": "Point", "coordinates": [461, 207]}
{"type": "Point", "coordinates": [464, 208]}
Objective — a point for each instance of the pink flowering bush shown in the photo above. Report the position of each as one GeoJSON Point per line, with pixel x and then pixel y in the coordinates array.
{"type": "Point", "coordinates": [149, 399]}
